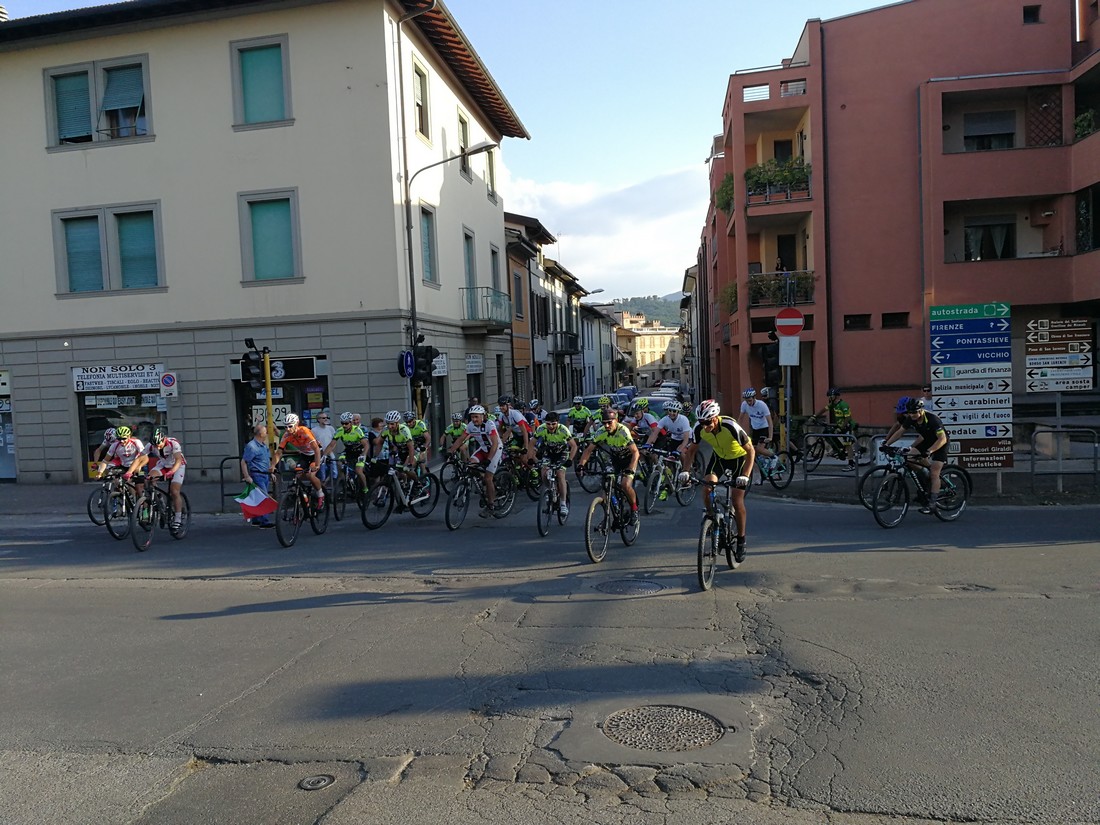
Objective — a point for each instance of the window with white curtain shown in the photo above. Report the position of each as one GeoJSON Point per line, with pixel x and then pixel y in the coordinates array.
{"type": "Point", "coordinates": [990, 237]}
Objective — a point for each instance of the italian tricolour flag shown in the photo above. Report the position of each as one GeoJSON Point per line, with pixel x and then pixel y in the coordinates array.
{"type": "Point", "coordinates": [255, 502]}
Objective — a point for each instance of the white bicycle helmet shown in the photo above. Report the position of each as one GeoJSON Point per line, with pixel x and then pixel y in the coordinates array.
{"type": "Point", "coordinates": [111, 434]}
{"type": "Point", "coordinates": [708, 409]}
{"type": "Point", "coordinates": [410, 415]}
{"type": "Point", "coordinates": [393, 417]}
{"type": "Point", "coordinates": [749, 393]}
{"type": "Point", "coordinates": [577, 399]}
{"type": "Point", "coordinates": [673, 406]}
{"type": "Point", "coordinates": [456, 416]}
{"type": "Point", "coordinates": [292, 420]}
{"type": "Point", "coordinates": [346, 418]}
{"type": "Point", "coordinates": [477, 409]}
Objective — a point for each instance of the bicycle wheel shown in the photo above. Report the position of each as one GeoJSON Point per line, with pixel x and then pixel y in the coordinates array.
{"type": "Point", "coordinates": [318, 519]}
{"type": "Point", "coordinates": [708, 553]}
{"type": "Point", "coordinates": [377, 504]}
{"type": "Point", "coordinates": [782, 471]}
{"type": "Point", "coordinates": [813, 454]}
{"type": "Point", "coordinates": [954, 493]}
{"type": "Point", "coordinates": [458, 504]}
{"type": "Point", "coordinates": [339, 498]}
{"type": "Point", "coordinates": [597, 529]}
{"type": "Point", "coordinates": [448, 475]}
{"type": "Point", "coordinates": [868, 485]}
{"type": "Point", "coordinates": [593, 473]}
{"type": "Point", "coordinates": [288, 518]}
{"type": "Point", "coordinates": [686, 492]}
{"type": "Point", "coordinates": [145, 518]}
{"type": "Point", "coordinates": [506, 495]}
{"type": "Point", "coordinates": [116, 514]}
{"type": "Point", "coordinates": [544, 513]}
{"type": "Point", "coordinates": [891, 501]}
{"type": "Point", "coordinates": [428, 485]}
{"type": "Point", "coordinates": [97, 499]}
{"type": "Point", "coordinates": [629, 527]}
{"type": "Point", "coordinates": [653, 489]}
{"type": "Point", "coordinates": [864, 453]}
{"type": "Point", "coordinates": [185, 519]}
{"type": "Point", "coordinates": [529, 480]}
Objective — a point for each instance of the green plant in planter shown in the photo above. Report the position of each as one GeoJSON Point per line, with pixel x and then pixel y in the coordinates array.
{"type": "Point", "coordinates": [1084, 124]}
{"type": "Point", "coordinates": [723, 195]}
{"type": "Point", "coordinates": [727, 297]}
{"type": "Point", "coordinates": [775, 176]}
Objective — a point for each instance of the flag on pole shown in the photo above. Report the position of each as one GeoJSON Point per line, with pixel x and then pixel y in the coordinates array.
{"type": "Point", "coordinates": [255, 502]}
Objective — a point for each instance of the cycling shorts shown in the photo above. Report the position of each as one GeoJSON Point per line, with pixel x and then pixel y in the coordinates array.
{"type": "Point", "coordinates": [171, 478]}
{"type": "Point", "coordinates": [482, 457]}
{"type": "Point", "coordinates": [760, 436]}
{"type": "Point", "coordinates": [736, 466]}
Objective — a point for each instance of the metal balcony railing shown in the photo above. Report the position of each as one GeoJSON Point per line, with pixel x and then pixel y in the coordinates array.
{"type": "Point", "coordinates": [563, 342]}
{"type": "Point", "coordinates": [778, 289]}
{"type": "Point", "coordinates": [485, 304]}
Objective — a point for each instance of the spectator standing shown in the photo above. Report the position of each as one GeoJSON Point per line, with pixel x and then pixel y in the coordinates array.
{"type": "Point", "coordinates": [255, 466]}
{"type": "Point", "coordinates": [324, 432]}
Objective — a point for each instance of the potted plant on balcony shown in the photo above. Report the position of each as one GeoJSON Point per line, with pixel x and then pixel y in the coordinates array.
{"type": "Point", "coordinates": [723, 195]}
{"type": "Point", "coordinates": [757, 179]}
{"type": "Point", "coordinates": [727, 297]}
{"type": "Point", "coordinates": [795, 178]}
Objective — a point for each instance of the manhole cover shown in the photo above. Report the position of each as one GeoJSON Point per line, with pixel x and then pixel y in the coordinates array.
{"type": "Point", "coordinates": [315, 783]}
{"type": "Point", "coordinates": [630, 587]}
{"type": "Point", "coordinates": [663, 728]}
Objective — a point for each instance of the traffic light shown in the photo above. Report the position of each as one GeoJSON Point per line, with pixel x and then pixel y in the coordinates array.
{"type": "Point", "coordinates": [252, 369]}
{"type": "Point", "coordinates": [769, 354]}
{"type": "Point", "coordinates": [423, 356]}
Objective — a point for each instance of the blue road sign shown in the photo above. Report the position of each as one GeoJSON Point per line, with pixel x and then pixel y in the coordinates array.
{"type": "Point", "coordinates": [409, 365]}
{"type": "Point", "coordinates": [971, 356]}
{"type": "Point", "coordinates": [972, 340]}
{"type": "Point", "coordinates": [970, 325]}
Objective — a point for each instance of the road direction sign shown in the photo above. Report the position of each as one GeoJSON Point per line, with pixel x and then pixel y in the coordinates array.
{"type": "Point", "coordinates": [789, 321]}
{"type": "Point", "coordinates": [1059, 384]}
{"type": "Point", "coordinates": [965, 431]}
{"type": "Point", "coordinates": [1044, 336]}
{"type": "Point", "coordinates": [994, 309]}
{"type": "Point", "coordinates": [971, 385]}
{"type": "Point", "coordinates": [1058, 372]}
{"type": "Point", "coordinates": [989, 461]}
{"type": "Point", "coordinates": [948, 373]}
{"type": "Point", "coordinates": [971, 356]}
{"type": "Point", "coordinates": [965, 325]}
{"type": "Point", "coordinates": [994, 416]}
{"type": "Point", "coordinates": [969, 340]}
{"type": "Point", "coordinates": [1059, 323]}
{"type": "Point", "coordinates": [1066, 359]}
{"type": "Point", "coordinates": [972, 402]}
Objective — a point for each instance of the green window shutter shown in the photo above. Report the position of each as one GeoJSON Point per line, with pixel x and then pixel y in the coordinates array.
{"type": "Point", "coordinates": [426, 227]}
{"type": "Point", "coordinates": [73, 103]}
{"type": "Point", "coordinates": [83, 254]}
{"type": "Point", "coordinates": [125, 88]}
{"type": "Point", "coordinates": [137, 249]}
{"type": "Point", "coordinates": [262, 84]}
{"type": "Point", "coordinates": [272, 239]}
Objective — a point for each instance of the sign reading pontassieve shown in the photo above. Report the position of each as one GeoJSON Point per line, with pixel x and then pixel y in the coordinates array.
{"type": "Point", "coordinates": [109, 377]}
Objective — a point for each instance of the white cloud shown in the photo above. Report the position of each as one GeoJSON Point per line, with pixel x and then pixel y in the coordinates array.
{"type": "Point", "coordinates": [634, 240]}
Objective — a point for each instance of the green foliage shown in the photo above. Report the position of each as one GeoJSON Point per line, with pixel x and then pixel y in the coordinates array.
{"type": "Point", "coordinates": [1084, 124]}
{"type": "Point", "coordinates": [723, 195]}
{"type": "Point", "coordinates": [727, 297]}
{"type": "Point", "coordinates": [653, 307]}
{"type": "Point", "coordinates": [792, 174]}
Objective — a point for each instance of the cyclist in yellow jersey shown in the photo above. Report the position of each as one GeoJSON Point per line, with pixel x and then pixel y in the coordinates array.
{"type": "Point", "coordinates": [733, 452]}
{"type": "Point", "coordinates": [620, 444]}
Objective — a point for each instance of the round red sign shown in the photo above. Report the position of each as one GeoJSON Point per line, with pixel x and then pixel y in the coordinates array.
{"type": "Point", "coordinates": [789, 321]}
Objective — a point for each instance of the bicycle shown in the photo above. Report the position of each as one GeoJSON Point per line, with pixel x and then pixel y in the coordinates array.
{"type": "Point", "coordinates": [154, 511]}
{"type": "Point", "coordinates": [449, 470]}
{"type": "Point", "coordinates": [891, 501]}
{"type": "Point", "coordinates": [97, 499]}
{"type": "Point", "coordinates": [717, 533]}
{"type": "Point", "coordinates": [592, 471]}
{"type": "Point", "coordinates": [666, 480]}
{"type": "Point", "coordinates": [295, 506]}
{"type": "Point", "coordinates": [117, 509]}
{"type": "Point", "coordinates": [550, 500]}
{"type": "Point", "coordinates": [812, 451]}
{"type": "Point", "coordinates": [777, 469]}
{"type": "Point", "coordinates": [607, 513]}
{"type": "Point", "coordinates": [523, 478]}
{"type": "Point", "coordinates": [418, 492]}
{"type": "Point", "coordinates": [469, 482]}
{"type": "Point", "coordinates": [344, 486]}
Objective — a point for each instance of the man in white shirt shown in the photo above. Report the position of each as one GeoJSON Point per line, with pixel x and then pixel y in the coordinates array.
{"type": "Point", "coordinates": [756, 417]}
{"type": "Point", "coordinates": [324, 432]}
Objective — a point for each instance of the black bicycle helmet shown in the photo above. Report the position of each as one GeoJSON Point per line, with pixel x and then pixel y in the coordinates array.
{"type": "Point", "coordinates": [914, 405]}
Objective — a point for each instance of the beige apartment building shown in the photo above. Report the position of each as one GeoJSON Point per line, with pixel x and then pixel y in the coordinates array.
{"type": "Point", "coordinates": [655, 351]}
{"type": "Point", "coordinates": [179, 178]}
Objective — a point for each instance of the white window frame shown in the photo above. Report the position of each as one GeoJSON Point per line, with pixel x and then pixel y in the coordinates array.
{"type": "Point", "coordinates": [235, 49]}
{"type": "Point", "coordinates": [97, 85]}
{"type": "Point", "coordinates": [433, 247]}
{"type": "Point", "coordinates": [422, 112]}
{"type": "Point", "coordinates": [491, 175]}
{"type": "Point", "coordinates": [248, 263]}
{"type": "Point", "coordinates": [463, 147]}
{"type": "Point", "coordinates": [108, 247]}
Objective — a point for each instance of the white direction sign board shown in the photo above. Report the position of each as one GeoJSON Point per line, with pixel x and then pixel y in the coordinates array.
{"type": "Point", "coordinates": [970, 352]}
{"type": "Point", "coordinates": [1059, 355]}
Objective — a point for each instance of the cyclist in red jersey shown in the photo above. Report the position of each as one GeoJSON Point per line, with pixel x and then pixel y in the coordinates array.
{"type": "Point", "coordinates": [308, 455]}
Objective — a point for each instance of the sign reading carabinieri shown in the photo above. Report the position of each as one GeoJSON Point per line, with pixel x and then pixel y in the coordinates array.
{"type": "Point", "coordinates": [108, 377]}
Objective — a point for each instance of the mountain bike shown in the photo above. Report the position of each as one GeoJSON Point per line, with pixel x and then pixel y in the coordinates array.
{"type": "Point", "coordinates": [154, 511]}
{"type": "Point", "coordinates": [449, 470]}
{"type": "Point", "coordinates": [344, 486]}
{"type": "Point", "coordinates": [470, 482]}
{"type": "Point", "coordinates": [778, 469]}
{"type": "Point", "coordinates": [97, 499]}
{"type": "Point", "coordinates": [717, 532]}
{"type": "Point", "coordinates": [891, 501]}
{"type": "Point", "coordinates": [523, 478]}
{"type": "Point", "coordinates": [297, 504]}
{"type": "Point", "coordinates": [417, 491]}
{"type": "Point", "coordinates": [550, 501]}
{"type": "Point", "coordinates": [117, 509]}
{"type": "Point", "coordinates": [811, 451]}
{"type": "Point", "coordinates": [665, 479]}
{"type": "Point", "coordinates": [592, 471]}
{"type": "Point", "coordinates": [608, 512]}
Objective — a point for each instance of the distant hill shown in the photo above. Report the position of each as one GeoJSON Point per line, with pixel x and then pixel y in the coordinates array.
{"type": "Point", "coordinates": [654, 307]}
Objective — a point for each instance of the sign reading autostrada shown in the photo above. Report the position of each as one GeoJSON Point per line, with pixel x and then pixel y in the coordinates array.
{"type": "Point", "coordinates": [970, 352]}
{"type": "Point", "coordinates": [1059, 354]}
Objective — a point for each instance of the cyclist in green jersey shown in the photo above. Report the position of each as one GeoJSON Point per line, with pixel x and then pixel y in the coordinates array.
{"type": "Point", "coordinates": [840, 416]}
{"type": "Point", "coordinates": [554, 441]}
{"type": "Point", "coordinates": [350, 442]}
{"type": "Point", "coordinates": [418, 427]}
{"type": "Point", "coordinates": [620, 445]}
{"type": "Point", "coordinates": [581, 419]}
{"type": "Point", "coordinates": [453, 433]}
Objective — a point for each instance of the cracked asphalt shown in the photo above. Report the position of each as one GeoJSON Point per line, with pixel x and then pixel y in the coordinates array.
{"type": "Point", "coordinates": [931, 673]}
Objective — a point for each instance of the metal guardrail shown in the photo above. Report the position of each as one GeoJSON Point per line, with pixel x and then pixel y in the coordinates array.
{"type": "Point", "coordinates": [848, 437]}
{"type": "Point", "coordinates": [221, 480]}
{"type": "Point", "coordinates": [1060, 437]}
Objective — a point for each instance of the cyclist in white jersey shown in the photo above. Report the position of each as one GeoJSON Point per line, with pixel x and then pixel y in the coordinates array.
{"type": "Point", "coordinates": [756, 417]}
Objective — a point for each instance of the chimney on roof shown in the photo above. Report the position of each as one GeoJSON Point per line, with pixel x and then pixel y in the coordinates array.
{"type": "Point", "coordinates": [3, 15]}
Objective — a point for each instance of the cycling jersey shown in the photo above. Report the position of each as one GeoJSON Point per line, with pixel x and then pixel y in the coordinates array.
{"type": "Point", "coordinates": [402, 435]}
{"type": "Point", "coordinates": [514, 421]}
{"type": "Point", "coordinates": [454, 431]}
{"type": "Point", "coordinates": [728, 441]}
{"type": "Point", "coordinates": [350, 442]}
{"type": "Point", "coordinates": [164, 455]}
{"type": "Point", "coordinates": [558, 441]}
{"type": "Point", "coordinates": [758, 413]}
{"type": "Point", "coordinates": [840, 414]}
{"type": "Point", "coordinates": [124, 452]}
{"type": "Point", "coordinates": [419, 430]}
{"type": "Point", "coordinates": [580, 418]}
{"type": "Point", "coordinates": [929, 428]}
{"type": "Point", "coordinates": [617, 443]}
{"type": "Point", "coordinates": [642, 426]}
{"type": "Point", "coordinates": [300, 438]}
{"type": "Point", "coordinates": [482, 434]}
{"type": "Point", "coordinates": [675, 429]}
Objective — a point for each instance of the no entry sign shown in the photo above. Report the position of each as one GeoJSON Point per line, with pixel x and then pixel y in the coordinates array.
{"type": "Point", "coordinates": [789, 321]}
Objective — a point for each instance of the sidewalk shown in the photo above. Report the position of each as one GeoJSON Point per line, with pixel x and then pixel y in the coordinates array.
{"type": "Point", "coordinates": [63, 499]}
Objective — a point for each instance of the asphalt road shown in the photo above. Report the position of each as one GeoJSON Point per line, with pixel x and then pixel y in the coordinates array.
{"type": "Point", "coordinates": [844, 674]}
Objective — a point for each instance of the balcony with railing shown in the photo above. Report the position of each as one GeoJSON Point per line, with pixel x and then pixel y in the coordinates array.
{"type": "Point", "coordinates": [564, 342]}
{"type": "Point", "coordinates": [485, 309]}
{"type": "Point", "coordinates": [779, 289]}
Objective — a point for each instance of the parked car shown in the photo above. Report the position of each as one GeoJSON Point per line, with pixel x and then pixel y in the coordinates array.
{"type": "Point", "coordinates": [618, 400]}
{"type": "Point", "coordinates": [656, 403]}
{"type": "Point", "coordinates": [630, 390]}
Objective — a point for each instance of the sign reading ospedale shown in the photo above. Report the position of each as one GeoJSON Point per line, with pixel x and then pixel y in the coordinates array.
{"type": "Point", "coordinates": [105, 377]}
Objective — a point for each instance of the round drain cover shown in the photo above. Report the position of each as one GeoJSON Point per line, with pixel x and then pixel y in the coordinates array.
{"type": "Point", "coordinates": [630, 587]}
{"type": "Point", "coordinates": [315, 783]}
{"type": "Point", "coordinates": [663, 728]}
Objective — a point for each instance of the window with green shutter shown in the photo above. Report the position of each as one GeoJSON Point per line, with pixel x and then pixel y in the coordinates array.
{"type": "Point", "coordinates": [123, 106]}
{"type": "Point", "coordinates": [83, 254]}
{"type": "Point", "coordinates": [108, 248]}
{"type": "Point", "coordinates": [269, 235]}
{"type": "Point", "coordinates": [137, 250]}
{"type": "Point", "coordinates": [261, 87]}
{"type": "Point", "coordinates": [104, 100]}
{"type": "Point", "coordinates": [73, 105]}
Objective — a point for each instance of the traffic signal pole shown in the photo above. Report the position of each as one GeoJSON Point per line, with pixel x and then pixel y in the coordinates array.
{"type": "Point", "coordinates": [271, 439]}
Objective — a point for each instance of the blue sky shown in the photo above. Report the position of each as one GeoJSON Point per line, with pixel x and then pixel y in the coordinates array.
{"type": "Point", "coordinates": [622, 101]}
